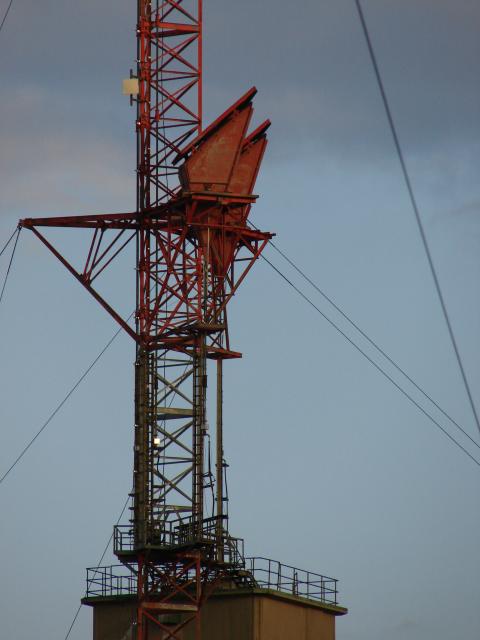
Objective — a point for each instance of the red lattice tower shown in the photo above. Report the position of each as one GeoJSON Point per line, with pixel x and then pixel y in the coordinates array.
{"type": "Point", "coordinates": [193, 249]}
{"type": "Point", "coordinates": [169, 100]}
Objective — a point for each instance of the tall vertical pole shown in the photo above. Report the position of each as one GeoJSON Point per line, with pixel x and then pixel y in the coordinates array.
{"type": "Point", "coordinates": [200, 67]}
{"type": "Point", "coordinates": [140, 476]}
{"type": "Point", "coordinates": [199, 430]}
{"type": "Point", "coordinates": [219, 460]}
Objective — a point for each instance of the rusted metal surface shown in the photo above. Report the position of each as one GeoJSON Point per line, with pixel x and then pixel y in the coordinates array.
{"type": "Point", "coordinates": [209, 161]}
{"type": "Point", "coordinates": [175, 586]}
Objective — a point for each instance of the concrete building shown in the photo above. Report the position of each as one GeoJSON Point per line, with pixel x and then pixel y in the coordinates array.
{"type": "Point", "coordinates": [229, 614]}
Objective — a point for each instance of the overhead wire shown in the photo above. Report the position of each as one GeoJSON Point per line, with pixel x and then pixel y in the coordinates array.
{"type": "Point", "coordinates": [372, 342]}
{"type": "Point", "coordinates": [8, 242]}
{"type": "Point", "coordinates": [61, 404]}
{"type": "Point", "coordinates": [72, 389]}
{"type": "Point", "coordinates": [367, 337]}
{"type": "Point", "coordinates": [97, 566]}
{"type": "Point", "coordinates": [415, 208]}
{"type": "Point", "coordinates": [376, 365]}
{"type": "Point", "coordinates": [10, 262]}
{"type": "Point", "coordinates": [57, 409]}
{"type": "Point", "coordinates": [6, 14]}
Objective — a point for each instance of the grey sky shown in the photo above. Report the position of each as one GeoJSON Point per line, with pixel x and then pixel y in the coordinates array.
{"type": "Point", "coordinates": [331, 468]}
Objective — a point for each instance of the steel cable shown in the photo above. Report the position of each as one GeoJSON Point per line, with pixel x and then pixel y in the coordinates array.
{"type": "Point", "coordinates": [6, 14]}
{"type": "Point", "coordinates": [8, 242]}
{"type": "Point", "coordinates": [370, 340]}
{"type": "Point", "coordinates": [97, 566]}
{"type": "Point", "coordinates": [377, 366]}
{"type": "Point", "coordinates": [413, 202]}
{"type": "Point", "coordinates": [59, 406]}
{"type": "Point", "coordinates": [10, 262]}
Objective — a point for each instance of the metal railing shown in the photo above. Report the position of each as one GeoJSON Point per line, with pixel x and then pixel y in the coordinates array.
{"type": "Point", "coordinates": [180, 533]}
{"type": "Point", "coordinates": [115, 580]}
{"type": "Point", "coordinates": [263, 573]}
{"type": "Point", "coordinates": [271, 574]}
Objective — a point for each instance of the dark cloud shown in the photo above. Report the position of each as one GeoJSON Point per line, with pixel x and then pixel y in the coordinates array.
{"type": "Point", "coordinates": [308, 60]}
{"type": "Point", "coordinates": [312, 66]}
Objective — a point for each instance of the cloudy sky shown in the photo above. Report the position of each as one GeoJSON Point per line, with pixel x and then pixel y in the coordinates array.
{"type": "Point", "coordinates": [331, 468]}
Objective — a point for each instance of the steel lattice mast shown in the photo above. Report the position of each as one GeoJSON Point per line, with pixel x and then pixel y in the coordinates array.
{"type": "Point", "coordinates": [169, 102]}
{"type": "Point", "coordinates": [193, 249]}
{"type": "Point", "coordinates": [169, 105]}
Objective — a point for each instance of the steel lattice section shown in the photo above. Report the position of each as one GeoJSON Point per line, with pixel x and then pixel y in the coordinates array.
{"type": "Point", "coordinates": [169, 102]}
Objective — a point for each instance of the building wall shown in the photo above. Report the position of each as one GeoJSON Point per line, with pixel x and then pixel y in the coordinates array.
{"type": "Point", "coordinates": [113, 621]}
{"type": "Point", "coordinates": [285, 620]}
{"type": "Point", "coordinates": [230, 616]}
{"type": "Point", "coordinates": [227, 617]}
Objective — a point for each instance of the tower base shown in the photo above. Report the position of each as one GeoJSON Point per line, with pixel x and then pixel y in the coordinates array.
{"type": "Point", "coordinates": [239, 614]}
